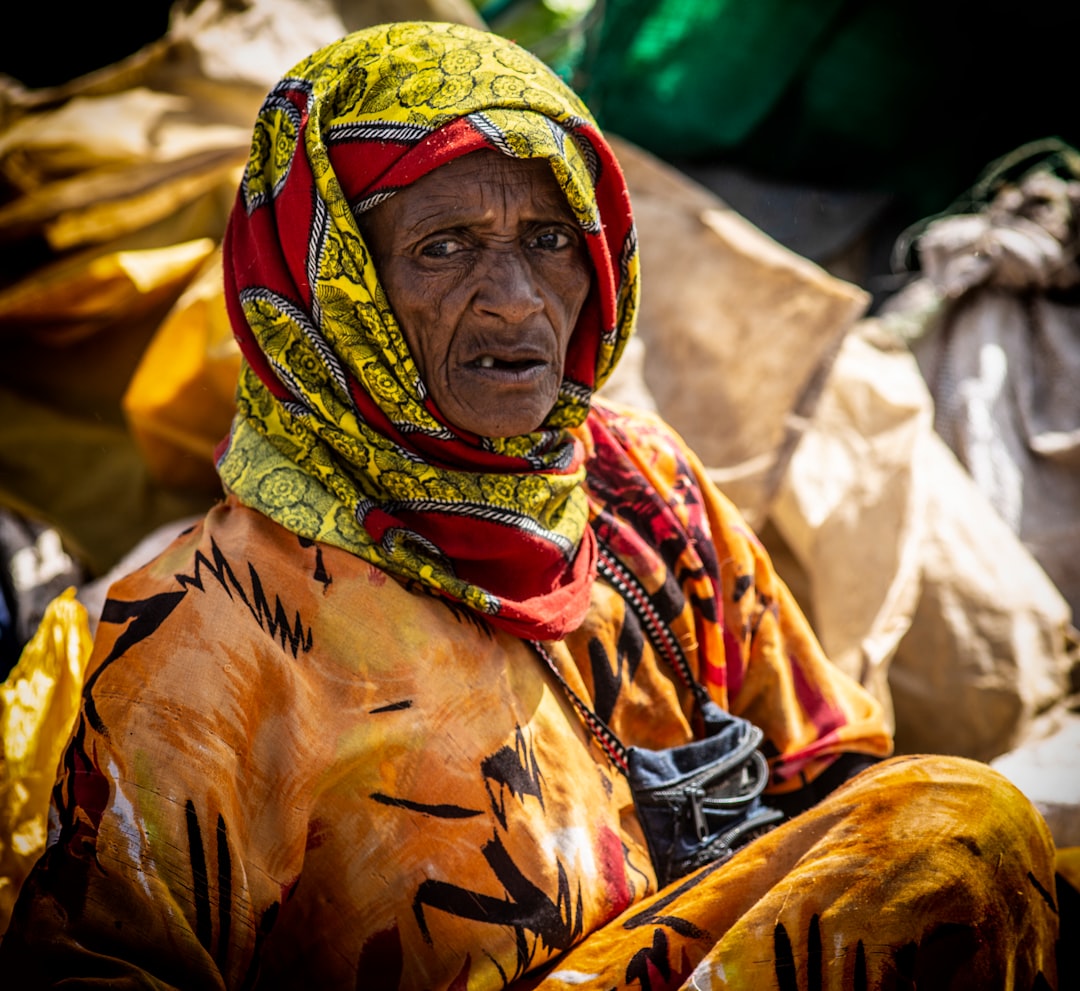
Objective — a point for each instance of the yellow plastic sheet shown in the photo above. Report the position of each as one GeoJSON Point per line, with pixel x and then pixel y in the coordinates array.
{"type": "Point", "coordinates": [1068, 865]}
{"type": "Point", "coordinates": [180, 400]}
{"type": "Point", "coordinates": [73, 336]}
{"type": "Point", "coordinates": [38, 705]}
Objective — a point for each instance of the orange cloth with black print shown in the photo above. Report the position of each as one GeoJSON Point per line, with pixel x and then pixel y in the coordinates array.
{"type": "Point", "coordinates": [316, 749]}
{"type": "Point", "coordinates": [366, 785]}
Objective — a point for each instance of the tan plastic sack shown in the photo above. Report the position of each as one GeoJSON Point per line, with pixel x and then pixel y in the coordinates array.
{"type": "Point", "coordinates": [999, 344]}
{"type": "Point", "coordinates": [73, 336]}
{"type": "Point", "coordinates": [1005, 367]}
{"type": "Point", "coordinates": [737, 330]}
{"type": "Point", "coordinates": [852, 510]}
{"type": "Point", "coordinates": [913, 583]}
{"type": "Point", "coordinates": [989, 644]}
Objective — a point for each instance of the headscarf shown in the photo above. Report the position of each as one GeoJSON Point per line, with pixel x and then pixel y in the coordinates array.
{"type": "Point", "coordinates": [335, 436]}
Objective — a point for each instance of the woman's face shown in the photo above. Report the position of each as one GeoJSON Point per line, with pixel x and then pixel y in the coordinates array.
{"type": "Point", "coordinates": [486, 271]}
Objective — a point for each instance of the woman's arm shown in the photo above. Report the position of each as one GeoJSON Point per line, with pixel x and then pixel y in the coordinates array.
{"type": "Point", "coordinates": [178, 819]}
{"type": "Point", "coordinates": [753, 648]}
{"type": "Point", "coordinates": [112, 899]}
{"type": "Point", "coordinates": [818, 722]}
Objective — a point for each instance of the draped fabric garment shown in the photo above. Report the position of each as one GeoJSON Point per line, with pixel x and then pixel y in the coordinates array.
{"type": "Point", "coordinates": [335, 437]}
{"type": "Point", "coordinates": [362, 785]}
{"type": "Point", "coordinates": [316, 749]}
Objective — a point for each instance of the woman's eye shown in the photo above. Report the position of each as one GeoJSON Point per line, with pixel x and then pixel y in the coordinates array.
{"type": "Point", "coordinates": [441, 248]}
{"type": "Point", "coordinates": [552, 240]}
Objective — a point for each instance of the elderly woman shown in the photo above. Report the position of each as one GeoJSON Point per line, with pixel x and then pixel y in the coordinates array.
{"type": "Point", "coordinates": [463, 683]}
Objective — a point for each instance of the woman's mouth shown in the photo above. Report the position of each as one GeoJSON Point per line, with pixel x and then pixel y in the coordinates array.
{"type": "Point", "coordinates": [490, 362]}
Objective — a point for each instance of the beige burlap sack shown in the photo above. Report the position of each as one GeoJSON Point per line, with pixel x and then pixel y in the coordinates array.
{"type": "Point", "coordinates": [913, 582]}
{"type": "Point", "coordinates": [737, 331]}
{"type": "Point", "coordinates": [995, 326]}
{"type": "Point", "coordinates": [853, 511]}
{"type": "Point", "coordinates": [990, 643]}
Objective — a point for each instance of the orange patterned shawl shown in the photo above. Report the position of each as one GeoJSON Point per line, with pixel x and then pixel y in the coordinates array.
{"type": "Point", "coordinates": [290, 765]}
{"type": "Point", "coordinates": [292, 770]}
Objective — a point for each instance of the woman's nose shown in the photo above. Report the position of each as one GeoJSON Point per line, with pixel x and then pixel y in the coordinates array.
{"type": "Point", "coordinates": [507, 286]}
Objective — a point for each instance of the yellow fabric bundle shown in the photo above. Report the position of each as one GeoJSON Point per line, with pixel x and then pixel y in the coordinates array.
{"type": "Point", "coordinates": [38, 704]}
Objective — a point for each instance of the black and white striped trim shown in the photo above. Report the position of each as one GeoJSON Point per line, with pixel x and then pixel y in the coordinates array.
{"type": "Point", "coordinates": [370, 202]}
{"type": "Point", "coordinates": [575, 391]}
{"type": "Point", "coordinates": [489, 514]}
{"type": "Point", "coordinates": [487, 128]}
{"type": "Point", "coordinates": [664, 641]}
{"type": "Point", "coordinates": [316, 247]}
{"type": "Point", "coordinates": [628, 250]}
{"type": "Point", "coordinates": [377, 130]}
{"type": "Point", "coordinates": [398, 534]}
{"type": "Point", "coordinates": [277, 101]}
{"type": "Point", "coordinates": [307, 328]}
{"type": "Point", "coordinates": [609, 742]}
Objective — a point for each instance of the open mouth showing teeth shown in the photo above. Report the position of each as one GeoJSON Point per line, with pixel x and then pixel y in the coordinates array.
{"type": "Point", "coordinates": [487, 361]}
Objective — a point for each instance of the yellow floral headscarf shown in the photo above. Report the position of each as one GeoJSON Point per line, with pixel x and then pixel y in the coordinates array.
{"type": "Point", "coordinates": [335, 436]}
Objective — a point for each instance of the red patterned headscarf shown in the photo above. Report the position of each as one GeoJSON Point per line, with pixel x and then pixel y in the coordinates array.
{"type": "Point", "coordinates": [335, 436]}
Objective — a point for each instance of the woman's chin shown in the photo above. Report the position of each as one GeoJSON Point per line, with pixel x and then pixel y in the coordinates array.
{"type": "Point", "coordinates": [518, 412]}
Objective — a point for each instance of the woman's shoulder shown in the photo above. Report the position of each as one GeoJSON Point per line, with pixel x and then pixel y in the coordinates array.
{"type": "Point", "coordinates": [221, 546]}
{"type": "Point", "coordinates": [635, 426]}
{"type": "Point", "coordinates": [239, 584]}
{"type": "Point", "coordinates": [240, 621]}
{"type": "Point", "coordinates": [638, 459]}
